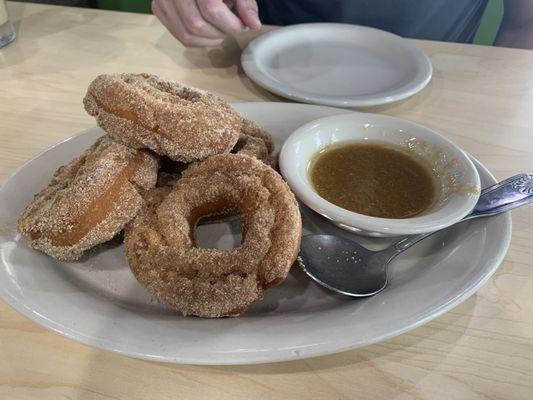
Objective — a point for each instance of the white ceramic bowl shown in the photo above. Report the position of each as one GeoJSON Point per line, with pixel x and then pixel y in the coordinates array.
{"type": "Point", "coordinates": [455, 174]}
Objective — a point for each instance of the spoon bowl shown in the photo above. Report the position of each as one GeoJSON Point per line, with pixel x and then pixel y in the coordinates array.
{"type": "Point", "coordinates": [341, 265]}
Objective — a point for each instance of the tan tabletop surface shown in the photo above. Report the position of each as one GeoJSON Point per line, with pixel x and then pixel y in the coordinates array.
{"type": "Point", "coordinates": [480, 97]}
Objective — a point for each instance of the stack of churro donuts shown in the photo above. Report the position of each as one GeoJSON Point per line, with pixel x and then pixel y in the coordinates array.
{"type": "Point", "coordinates": [171, 156]}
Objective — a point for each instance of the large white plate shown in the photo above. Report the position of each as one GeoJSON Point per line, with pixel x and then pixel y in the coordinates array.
{"type": "Point", "coordinates": [337, 65]}
{"type": "Point", "coordinates": [98, 301]}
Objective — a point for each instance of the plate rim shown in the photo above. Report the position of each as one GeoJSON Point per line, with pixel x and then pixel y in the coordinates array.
{"type": "Point", "coordinates": [258, 356]}
{"type": "Point", "coordinates": [253, 71]}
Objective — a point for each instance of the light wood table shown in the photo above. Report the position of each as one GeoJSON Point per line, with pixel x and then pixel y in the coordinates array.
{"type": "Point", "coordinates": [480, 97]}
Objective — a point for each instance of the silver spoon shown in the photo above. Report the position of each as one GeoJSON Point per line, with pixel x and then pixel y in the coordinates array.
{"type": "Point", "coordinates": [346, 267]}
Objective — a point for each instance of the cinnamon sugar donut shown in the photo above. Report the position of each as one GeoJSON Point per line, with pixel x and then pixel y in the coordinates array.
{"type": "Point", "coordinates": [251, 128]}
{"type": "Point", "coordinates": [89, 200]}
{"type": "Point", "coordinates": [144, 111]}
{"type": "Point", "coordinates": [251, 146]}
{"type": "Point", "coordinates": [161, 250]}
{"type": "Point", "coordinates": [255, 141]}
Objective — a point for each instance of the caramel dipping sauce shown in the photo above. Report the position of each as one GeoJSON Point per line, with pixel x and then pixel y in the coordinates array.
{"type": "Point", "coordinates": [374, 179]}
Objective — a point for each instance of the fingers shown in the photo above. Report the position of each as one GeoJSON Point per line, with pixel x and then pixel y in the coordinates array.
{"type": "Point", "coordinates": [193, 20]}
{"type": "Point", "coordinates": [218, 14]}
{"type": "Point", "coordinates": [247, 12]}
{"type": "Point", "coordinates": [173, 18]}
{"type": "Point", "coordinates": [205, 22]}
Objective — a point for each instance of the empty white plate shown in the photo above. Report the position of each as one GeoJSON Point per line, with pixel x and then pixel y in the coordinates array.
{"type": "Point", "coordinates": [337, 65]}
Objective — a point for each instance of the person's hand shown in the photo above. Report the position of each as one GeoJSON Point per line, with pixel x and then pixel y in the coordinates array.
{"type": "Point", "coordinates": [205, 22]}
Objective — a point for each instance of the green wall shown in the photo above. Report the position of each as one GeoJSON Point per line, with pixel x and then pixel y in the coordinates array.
{"type": "Point", "coordinates": [492, 18]}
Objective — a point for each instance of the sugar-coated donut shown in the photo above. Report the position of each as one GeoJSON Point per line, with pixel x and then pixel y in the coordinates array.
{"type": "Point", "coordinates": [251, 128]}
{"type": "Point", "coordinates": [174, 120]}
{"type": "Point", "coordinates": [89, 200]}
{"type": "Point", "coordinates": [160, 244]}
{"type": "Point", "coordinates": [252, 146]}
{"type": "Point", "coordinates": [255, 141]}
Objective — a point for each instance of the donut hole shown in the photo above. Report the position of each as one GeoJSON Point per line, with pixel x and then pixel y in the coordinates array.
{"type": "Point", "coordinates": [172, 92]}
{"type": "Point", "coordinates": [223, 233]}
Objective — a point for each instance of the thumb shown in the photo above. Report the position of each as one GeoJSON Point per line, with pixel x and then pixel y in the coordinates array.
{"type": "Point", "coordinates": [247, 12]}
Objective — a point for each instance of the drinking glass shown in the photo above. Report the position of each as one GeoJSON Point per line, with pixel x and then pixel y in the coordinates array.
{"type": "Point", "coordinates": [7, 33]}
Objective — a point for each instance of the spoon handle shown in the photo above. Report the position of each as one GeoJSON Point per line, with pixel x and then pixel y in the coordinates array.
{"type": "Point", "coordinates": [510, 193]}
{"type": "Point", "coordinates": [504, 196]}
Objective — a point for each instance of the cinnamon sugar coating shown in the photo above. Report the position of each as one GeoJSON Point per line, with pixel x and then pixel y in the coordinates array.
{"type": "Point", "coordinates": [89, 200]}
{"type": "Point", "coordinates": [209, 282]}
{"type": "Point", "coordinates": [145, 111]}
{"type": "Point", "coordinates": [251, 128]}
{"type": "Point", "coordinates": [255, 141]}
{"type": "Point", "coordinates": [251, 146]}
